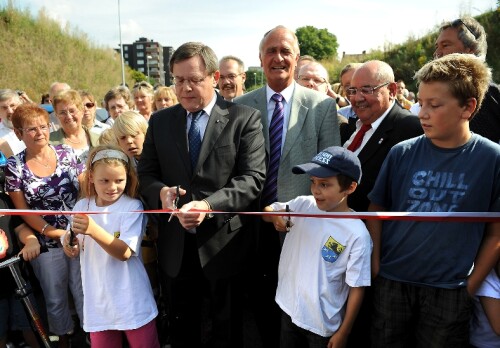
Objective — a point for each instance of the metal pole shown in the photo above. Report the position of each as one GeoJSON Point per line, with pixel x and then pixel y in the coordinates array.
{"type": "Point", "coordinates": [23, 292]}
{"type": "Point", "coordinates": [121, 45]}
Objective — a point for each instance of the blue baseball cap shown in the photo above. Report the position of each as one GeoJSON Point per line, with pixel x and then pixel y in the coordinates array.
{"type": "Point", "coordinates": [332, 161]}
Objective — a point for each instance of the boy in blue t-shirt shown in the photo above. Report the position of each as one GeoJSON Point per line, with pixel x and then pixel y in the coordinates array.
{"type": "Point", "coordinates": [426, 272]}
{"type": "Point", "coordinates": [325, 262]}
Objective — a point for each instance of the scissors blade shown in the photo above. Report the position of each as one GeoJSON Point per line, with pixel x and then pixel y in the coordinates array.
{"type": "Point", "coordinates": [175, 202]}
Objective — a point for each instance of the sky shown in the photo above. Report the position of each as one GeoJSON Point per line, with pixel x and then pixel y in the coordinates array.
{"type": "Point", "coordinates": [236, 27]}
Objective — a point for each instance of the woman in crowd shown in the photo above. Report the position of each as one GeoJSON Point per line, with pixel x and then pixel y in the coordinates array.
{"type": "Point", "coordinates": [89, 114]}
{"type": "Point", "coordinates": [45, 177]}
{"type": "Point", "coordinates": [143, 98]}
{"type": "Point", "coordinates": [68, 107]}
{"type": "Point", "coordinates": [164, 97]}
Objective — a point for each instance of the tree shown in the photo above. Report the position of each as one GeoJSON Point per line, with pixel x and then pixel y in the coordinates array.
{"type": "Point", "coordinates": [315, 42]}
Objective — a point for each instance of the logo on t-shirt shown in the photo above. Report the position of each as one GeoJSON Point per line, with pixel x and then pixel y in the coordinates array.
{"type": "Point", "coordinates": [331, 250]}
{"type": "Point", "coordinates": [116, 234]}
{"type": "Point", "coordinates": [433, 191]}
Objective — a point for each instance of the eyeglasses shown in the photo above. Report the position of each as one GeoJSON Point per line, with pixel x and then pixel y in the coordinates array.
{"type": "Point", "coordinates": [192, 81]}
{"type": "Point", "coordinates": [229, 76]}
{"type": "Point", "coordinates": [459, 22]}
{"type": "Point", "coordinates": [64, 113]}
{"type": "Point", "coordinates": [89, 105]}
{"type": "Point", "coordinates": [317, 81]}
{"type": "Point", "coordinates": [34, 130]}
{"type": "Point", "coordinates": [365, 90]}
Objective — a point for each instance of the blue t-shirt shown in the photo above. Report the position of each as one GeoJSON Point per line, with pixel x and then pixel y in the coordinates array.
{"type": "Point", "coordinates": [417, 176]}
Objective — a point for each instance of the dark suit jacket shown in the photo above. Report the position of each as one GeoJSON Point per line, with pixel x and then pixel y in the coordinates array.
{"type": "Point", "coordinates": [487, 120]}
{"type": "Point", "coordinates": [230, 174]}
{"type": "Point", "coordinates": [398, 125]}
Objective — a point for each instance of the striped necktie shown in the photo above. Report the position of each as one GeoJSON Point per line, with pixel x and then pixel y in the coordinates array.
{"type": "Point", "coordinates": [270, 191]}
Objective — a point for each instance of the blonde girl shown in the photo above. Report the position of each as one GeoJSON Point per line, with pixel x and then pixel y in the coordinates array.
{"type": "Point", "coordinates": [117, 294]}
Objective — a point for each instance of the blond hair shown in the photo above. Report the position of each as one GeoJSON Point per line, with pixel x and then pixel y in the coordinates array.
{"type": "Point", "coordinates": [467, 76]}
{"type": "Point", "coordinates": [88, 189]}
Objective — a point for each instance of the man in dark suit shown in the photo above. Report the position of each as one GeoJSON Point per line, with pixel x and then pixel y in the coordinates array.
{"type": "Point", "coordinates": [372, 93]}
{"type": "Point", "coordinates": [309, 126]}
{"type": "Point", "coordinates": [217, 156]}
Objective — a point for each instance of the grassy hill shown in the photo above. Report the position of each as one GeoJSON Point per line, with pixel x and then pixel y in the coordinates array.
{"type": "Point", "coordinates": [34, 52]}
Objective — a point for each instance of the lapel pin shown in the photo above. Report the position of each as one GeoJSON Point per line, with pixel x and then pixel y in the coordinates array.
{"type": "Point", "coordinates": [380, 141]}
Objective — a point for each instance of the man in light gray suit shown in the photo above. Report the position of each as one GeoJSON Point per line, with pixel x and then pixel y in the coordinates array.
{"type": "Point", "coordinates": [309, 126]}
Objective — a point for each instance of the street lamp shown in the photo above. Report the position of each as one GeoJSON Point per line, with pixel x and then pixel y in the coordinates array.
{"type": "Point", "coordinates": [121, 45]}
{"type": "Point", "coordinates": [148, 57]}
{"type": "Point", "coordinates": [255, 79]}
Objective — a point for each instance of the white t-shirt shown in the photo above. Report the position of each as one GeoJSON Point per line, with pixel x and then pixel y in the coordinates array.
{"type": "Point", "coordinates": [481, 333]}
{"type": "Point", "coordinates": [117, 294]}
{"type": "Point", "coordinates": [321, 258]}
{"type": "Point", "coordinates": [10, 137]}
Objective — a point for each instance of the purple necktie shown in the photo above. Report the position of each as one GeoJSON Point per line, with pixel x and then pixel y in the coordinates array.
{"type": "Point", "coordinates": [270, 191]}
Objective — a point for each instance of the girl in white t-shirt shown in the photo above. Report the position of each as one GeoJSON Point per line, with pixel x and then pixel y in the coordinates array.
{"type": "Point", "coordinates": [117, 293]}
{"type": "Point", "coordinates": [485, 323]}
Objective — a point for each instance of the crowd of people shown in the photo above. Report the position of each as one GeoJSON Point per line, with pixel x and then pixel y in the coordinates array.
{"type": "Point", "coordinates": [205, 152]}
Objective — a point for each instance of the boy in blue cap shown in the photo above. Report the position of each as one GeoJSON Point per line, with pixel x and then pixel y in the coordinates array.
{"type": "Point", "coordinates": [325, 262]}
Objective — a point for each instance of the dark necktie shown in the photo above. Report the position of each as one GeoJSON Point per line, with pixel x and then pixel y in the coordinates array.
{"type": "Point", "coordinates": [194, 137]}
{"type": "Point", "coordinates": [270, 191]}
{"type": "Point", "coordinates": [358, 139]}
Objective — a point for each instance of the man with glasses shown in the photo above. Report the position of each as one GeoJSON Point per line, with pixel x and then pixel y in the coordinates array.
{"type": "Point", "coordinates": [210, 154]}
{"type": "Point", "coordinates": [117, 100]}
{"type": "Point", "coordinates": [232, 77]}
{"type": "Point", "coordinates": [314, 76]}
{"type": "Point", "coordinates": [9, 143]}
{"type": "Point", "coordinates": [297, 123]}
{"type": "Point", "coordinates": [466, 35]}
{"type": "Point", "coordinates": [381, 124]}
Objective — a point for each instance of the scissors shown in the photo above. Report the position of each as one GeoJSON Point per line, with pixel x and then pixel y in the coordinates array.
{"type": "Point", "coordinates": [288, 223]}
{"type": "Point", "coordinates": [175, 202]}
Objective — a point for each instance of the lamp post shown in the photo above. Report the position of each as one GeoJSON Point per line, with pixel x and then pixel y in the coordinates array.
{"type": "Point", "coordinates": [148, 57]}
{"type": "Point", "coordinates": [121, 45]}
{"type": "Point", "coordinates": [255, 80]}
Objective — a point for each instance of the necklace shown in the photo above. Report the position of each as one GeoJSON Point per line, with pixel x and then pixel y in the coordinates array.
{"type": "Point", "coordinates": [40, 163]}
{"type": "Point", "coordinates": [74, 142]}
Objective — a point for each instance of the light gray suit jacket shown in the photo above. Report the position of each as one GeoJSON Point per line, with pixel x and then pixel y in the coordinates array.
{"type": "Point", "coordinates": [312, 127]}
